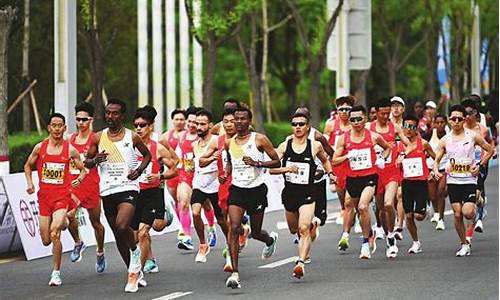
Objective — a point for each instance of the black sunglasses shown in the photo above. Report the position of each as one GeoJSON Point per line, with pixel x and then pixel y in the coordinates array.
{"type": "Point", "coordinates": [140, 125]}
{"type": "Point", "coordinates": [457, 119]}
{"type": "Point", "coordinates": [344, 109]}
{"type": "Point", "coordinates": [82, 119]}
{"type": "Point", "coordinates": [355, 119]}
{"type": "Point", "coordinates": [300, 124]}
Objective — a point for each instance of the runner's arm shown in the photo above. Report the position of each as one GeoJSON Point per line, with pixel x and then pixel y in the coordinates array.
{"type": "Point", "coordinates": [323, 157]}
{"type": "Point", "coordinates": [163, 140]}
{"type": "Point", "coordinates": [211, 155]}
{"type": "Point", "coordinates": [324, 142]}
{"type": "Point", "coordinates": [379, 140]}
{"type": "Point", "coordinates": [428, 149]}
{"type": "Point", "coordinates": [338, 158]}
{"type": "Point", "coordinates": [265, 145]}
{"type": "Point", "coordinates": [481, 142]}
{"type": "Point", "coordinates": [93, 158]}
{"type": "Point", "coordinates": [28, 168]}
{"type": "Point", "coordinates": [168, 160]}
{"type": "Point", "coordinates": [441, 150]}
{"type": "Point", "coordinates": [75, 156]}
{"type": "Point", "coordinates": [216, 128]}
{"type": "Point", "coordinates": [146, 157]}
{"type": "Point", "coordinates": [229, 167]}
{"type": "Point", "coordinates": [409, 146]}
{"type": "Point", "coordinates": [281, 170]}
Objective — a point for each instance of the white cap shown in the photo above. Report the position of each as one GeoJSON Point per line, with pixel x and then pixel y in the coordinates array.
{"type": "Point", "coordinates": [431, 104]}
{"type": "Point", "coordinates": [398, 100]}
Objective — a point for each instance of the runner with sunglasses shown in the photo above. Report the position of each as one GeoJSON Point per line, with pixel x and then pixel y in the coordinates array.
{"type": "Point", "coordinates": [357, 148]}
{"type": "Point", "coordinates": [414, 175]}
{"type": "Point", "coordinates": [87, 193]}
{"type": "Point", "coordinates": [461, 171]}
{"type": "Point", "coordinates": [298, 165]}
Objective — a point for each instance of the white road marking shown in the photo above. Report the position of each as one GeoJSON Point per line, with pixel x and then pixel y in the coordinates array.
{"type": "Point", "coordinates": [279, 263]}
{"type": "Point", "coordinates": [173, 295]}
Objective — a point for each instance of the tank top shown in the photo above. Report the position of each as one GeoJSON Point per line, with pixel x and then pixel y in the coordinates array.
{"type": "Point", "coordinates": [337, 132]}
{"type": "Point", "coordinates": [434, 143]}
{"type": "Point", "coordinates": [363, 156]}
{"type": "Point", "coordinates": [302, 180]}
{"type": "Point", "coordinates": [173, 142]}
{"type": "Point", "coordinates": [319, 163]}
{"type": "Point", "coordinates": [121, 160]}
{"type": "Point", "coordinates": [245, 176]}
{"type": "Point", "coordinates": [414, 165]}
{"type": "Point", "coordinates": [187, 154]}
{"type": "Point", "coordinates": [152, 168]}
{"type": "Point", "coordinates": [389, 137]}
{"type": "Point", "coordinates": [461, 159]}
{"type": "Point", "coordinates": [92, 174]}
{"type": "Point", "coordinates": [205, 178]}
{"type": "Point", "coordinates": [53, 170]}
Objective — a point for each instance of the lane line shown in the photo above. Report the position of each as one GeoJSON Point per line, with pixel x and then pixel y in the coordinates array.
{"type": "Point", "coordinates": [174, 295]}
{"type": "Point", "coordinates": [279, 263]}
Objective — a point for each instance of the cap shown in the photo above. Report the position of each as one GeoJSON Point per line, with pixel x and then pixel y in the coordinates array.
{"type": "Point", "coordinates": [398, 100]}
{"type": "Point", "coordinates": [431, 104]}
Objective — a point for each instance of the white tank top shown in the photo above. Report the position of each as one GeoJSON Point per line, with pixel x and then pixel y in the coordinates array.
{"type": "Point", "coordinates": [318, 162]}
{"type": "Point", "coordinates": [460, 159]}
{"type": "Point", "coordinates": [434, 143]}
{"type": "Point", "coordinates": [245, 176]}
{"type": "Point", "coordinates": [120, 161]}
{"type": "Point", "coordinates": [205, 179]}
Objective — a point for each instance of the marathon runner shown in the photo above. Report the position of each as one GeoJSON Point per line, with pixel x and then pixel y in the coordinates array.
{"type": "Point", "coordinates": [396, 117]}
{"type": "Point", "coordinates": [52, 158]}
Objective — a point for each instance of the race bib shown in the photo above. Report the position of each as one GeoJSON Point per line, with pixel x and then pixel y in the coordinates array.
{"type": "Point", "coordinates": [114, 173]}
{"type": "Point", "coordinates": [224, 159]}
{"type": "Point", "coordinates": [143, 178]}
{"type": "Point", "coordinates": [188, 161]}
{"type": "Point", "coordinates": [53, 173]}
{"type": "Point", "coordinates": [413, 167]}
{"type": "Point", "coordinates": [302, 176]}
{"type": "Point", "coordinates": [360, 159]}
{"type": "Point", "coordinates": [242, 171]}
{"type": "Point", "coordinates": [460, 167]}
{"type": "Point", "coordinates": [73, 170]}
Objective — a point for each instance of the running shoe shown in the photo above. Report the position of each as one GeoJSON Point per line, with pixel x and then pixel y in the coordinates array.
{"type": "Point", "coordinates": [379, 232]}
{"type": "Point", "coordinates": [372, 242]}
{"type": "Point", "coordinates": [435, 218]}
{"type": "Point", "coordinates": [479, 226]}
{"type": "Point", "coordinates": [398, 233]}
{"type": "Point", "coordinates": [357, 226]}
{"type": "Point", "coordinates": [296, 240]}
{"type": "Point", "coordinates": [228, 266]}
{"type": "Point", "coordinates": [76, 254]}
{"type": "Point", "coordinates": [314, 231]}
{"type": "Point", "coordinates": [55, 278]}
{"type": "Point", "coordinates": [392, 250]}
{"type": "Point", "coordinates": [440, 225]}
{"type": "Point", "coordinates": [365, 251]}
{"type": "Point", "coordinates": [203, 251]}
{"type": "Point", "coordinates": [169, 216]}
{"type": "Point", "coordinates": [298, 270]}
{"type": "Point", "coordinates": [307, 260]}
{"type": "Point", "coordinates": [343, 243]}
{"type": "Point", "coordinates": [268, 251]}
{"type": "Point", "coordinates": [463, 251]}
{"type": "Point", "coordinates": [212, 236]}
{"type": "Point", "coordinates": [142, 282]}
{"type": "Point", "coordinates": [150, 266]}
{"type": "Point", "coordinates": [135, 261]}
{"type": "Point", "coordinates": [233, 281]}
{"type": "Point", "coordinates": [243, 239]}
{"type": "Point", "coordinates": [133, 279]}
{"type": "Point", "coordinates": [415, 248]}
{"type": "Point", "coordinates": [100, 264]}
{"type": "Point", "coordinates": [185, 244]}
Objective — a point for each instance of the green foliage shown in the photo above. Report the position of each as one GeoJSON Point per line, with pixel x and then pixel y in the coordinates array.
{"type": "Point", "coordinates": [277, 132]}
{"type": "Point", "coordinates": [20, 147]}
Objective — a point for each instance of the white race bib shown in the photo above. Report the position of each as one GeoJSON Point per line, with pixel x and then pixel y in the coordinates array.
{"type": "Point", "coordinates": [413, 167]}
{"type": "Point", "coordinates": [243, 171]}
{"type": "Point", "coordinates": [302, 176]}
{"type": "Point", "coordinates": [114, 173]}
{"type": "Point", "coordinates": [360, 159]}
{"type": "Point", "coordinates": [53, 173]}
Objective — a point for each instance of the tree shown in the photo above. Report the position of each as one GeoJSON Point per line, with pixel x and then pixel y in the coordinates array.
{"type": "Point", "coordinates": [26, 68]}
{"type": "Point", "coordinates": [7, 16]}
{"type": "Point", "coordinates": [314, 45]}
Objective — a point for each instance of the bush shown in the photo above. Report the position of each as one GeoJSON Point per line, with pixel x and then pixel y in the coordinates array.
{"type": "Point", "coordinates": [20, 147]}
{"type": "Point", "coordinates": [277, 132]}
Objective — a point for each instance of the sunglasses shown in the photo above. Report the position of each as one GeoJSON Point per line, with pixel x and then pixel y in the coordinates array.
{"type": "Point", "coordinates": [82, 119]}
{"type": "Point", "coordinates": [470, 112]}
{"type": "Point", "coordinates": [344, 109]}
{"type": "Point", "coordinates": [140, 125]}
{"type": "Point", "coordinates": [299, 124]}
{"type": "Point", "coordinates": [457, 119]}
{"type": "Point", "coordinates": [355, 119]}
{"type": "Point", "coordinates": [410, 126]}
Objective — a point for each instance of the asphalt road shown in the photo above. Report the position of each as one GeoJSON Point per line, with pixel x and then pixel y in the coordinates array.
{"type": "Point", "coordinates": [433, 274]}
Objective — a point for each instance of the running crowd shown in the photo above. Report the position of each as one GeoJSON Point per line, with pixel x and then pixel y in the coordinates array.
{"type": "Point", "coordinates": [403, 162]}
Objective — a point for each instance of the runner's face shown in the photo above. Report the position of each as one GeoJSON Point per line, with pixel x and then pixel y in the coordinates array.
{"type": "Point", "coordinates": [357, 125]}
{"type": "Point", "coordinates": [410, 128]}
{"type": "Point", "coordinates": [397, 109]}
{"type": "Point", "coordinates": [373, 114]}
{"type": "Point", "coordinates": [142, 128]}
{"type": "Point", "coordinates": [456, 120]}
{"type": "Point", "coordinates": [418, 108]}
{"type": "Point", "coordinates": [203, 125]}
{"type": "Point", "coordinates": [113, 115]}
{"type": "Point", "coordinates": [56, 128]}
{"type": "Point", "coordinates": [191, 124]}
{"type": "Point", "coordinates": [440, 124]}
{"type": "Point", "coordinates": [83, 120]}
{"type": "Point", "coordinates": [343, 111]}
{"type": "Point", "coordinates": [179, 122]}
{"type": "Point", "coordinates": [228, 124]}
{"type": "Point", "coordinates": [241, 121]}
{"type": "Point", "coordinates": [300, 126]}
{"type": "Point", "coordinates": [383, 114]}
{"type": "Point", "coordinates": [430, 112]}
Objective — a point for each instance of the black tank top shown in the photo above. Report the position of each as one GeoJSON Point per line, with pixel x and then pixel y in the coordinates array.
{"type": "Point", "coordinates": [301, 181]}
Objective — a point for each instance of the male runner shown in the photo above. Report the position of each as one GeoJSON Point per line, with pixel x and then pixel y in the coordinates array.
{"type": "Point", "coordinates": [52, 157]}
{"type": "Point", "coordinates": [150, 202]}
{"type": "Point", "coordinates": [113, 151]}
{"type": "Point", "coordinates": [87, 194]}
{"type": "Point", "coordinates": [396, 117]}
{"type": "Point", "coordinates": [298, 166]}
{"type": "Point", "coordinates": [357, 147]}
{"type": "Point", "coordinates": [461, 171]}
{"type": "Point", "coordinates": [229, 104]}
{"type": "Point", "coordinates": [414, 175]}
{"type": "Point", "coordinates": [248, 191]}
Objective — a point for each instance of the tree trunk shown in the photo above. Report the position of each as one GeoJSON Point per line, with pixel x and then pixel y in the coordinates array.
{"type": "Point", "coordinates": [7, 16]}
{"type": "Point", "coordinates": [209, 76]}
{"type": "Point", "coordinates": [360, 91]}
{"type": "Point", "coordinates": [26, 70]}
{"type": "Point", "coordinates": [265, 51]}
{"type": "Point", "coordinates": [430, 62]}
{"type": "Point", "coordinates": [314, 74]}
{"type": "Point", "coordinates": [391, 73]}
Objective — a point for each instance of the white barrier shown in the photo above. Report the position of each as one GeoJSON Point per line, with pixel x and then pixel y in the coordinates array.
{"type": "Point", "coordinates": [9, 237]}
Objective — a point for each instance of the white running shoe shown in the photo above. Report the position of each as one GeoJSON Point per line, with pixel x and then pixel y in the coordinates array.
{"type": "Point", "coordinates": [435, 218]}
{"type": "Point", "coordinates": [379, 232]}
{"type": "Point", "coordinates": [357, 226]}
{"type": "Point", "coordinates": [201, 256]}
{"type": "Point", "coordinates": [440, 225]}
{"type": "Point", "coordinates": [463, 251]}
{"type": "Point", "coordinates": [142, 282]}
{"type": "Point", "coordinates": [55, 278]}
{"type": "Point", "coordinates": [133, 280]}
{"type": "Point", "coordinates": [234, 281]}
{"type": "Point", "coordinates": [392, 251]}
{"type": "Point", "coordinates": [135, 261]}
{"type": "Point", "coordinates": [479, 226]}
{"type": "Point", "coordinates": [365, 251]}
{"type": "Point", "coordinates": [268, 251]}
{"type": "Point", "coordinates": [415, 248]}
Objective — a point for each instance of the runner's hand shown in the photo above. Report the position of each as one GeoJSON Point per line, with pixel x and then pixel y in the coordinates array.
{"type": "Point", "coordinates": [134, 174]}
{"type": "Point", "coordinates": [31, 189]}
{"type": "Point", "coordinates": [319, 174]}
{"type": "Point", "coordinates": [75, 183]}
{"type": "Point", "coordinates": [474, 170]}
{"type": "Point", "coordinates": [292, 169]}
{"type": "Point", "coordinates": [153, 177]}
{"type": "Point", "coordinates": [216, 155]}
{"type": "Point", "coordinates": [222, 179]}
{"type": "Point", "coordinates": [100, 157]}
{"type": "Point", "coordinates": [249, 161]}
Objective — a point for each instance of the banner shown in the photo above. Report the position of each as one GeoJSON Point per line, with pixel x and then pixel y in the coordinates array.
{"type": "Point", "coordinates": [443, 59]}
{"type": "Point", "coordinates": [9, 237]}
{"type": "Point", "coordinates": [485, 67]}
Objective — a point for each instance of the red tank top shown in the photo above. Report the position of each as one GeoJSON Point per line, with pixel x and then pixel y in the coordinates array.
{"type": "Point", "coordinates": [187, 154]}
{"type": "Point", "coordinates": [172, 140]}
{"type": "Point", "coordinates": [389, 137]}
{"type": "Point", "coordinates": [152, 168]}
{"type": "Point", "coordinates": [337, 131]}
{"type": "Point", "coordinates": [92, 175]}
{"type": "Point", "coordinates": [414, 166]}
{"type": "Point", "coordinates": [364, 156]}
{"type": "Point", "coordinates": [53, 170]}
